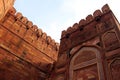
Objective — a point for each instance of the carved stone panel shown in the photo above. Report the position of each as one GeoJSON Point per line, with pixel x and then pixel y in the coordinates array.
{"type": "Point", "coordinates": [60, 77]}
{"type": "Point", "coordinates": [115, 69]}
{"type": "Point", "coordinates": [88, 73]}
{"type": "Point", "coordinates": [110, 40]}
{"type": "Point", "coordinates": [84, 65]}
{"type": "Point", "coordinates": [85, 56]}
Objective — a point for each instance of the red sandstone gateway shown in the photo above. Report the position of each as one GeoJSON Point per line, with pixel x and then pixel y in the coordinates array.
{"type": "Point", "coordinates": [90, 50]}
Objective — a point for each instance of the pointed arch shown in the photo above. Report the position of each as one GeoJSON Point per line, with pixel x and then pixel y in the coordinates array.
{"type": "Point", "coordinates": [84, 62]}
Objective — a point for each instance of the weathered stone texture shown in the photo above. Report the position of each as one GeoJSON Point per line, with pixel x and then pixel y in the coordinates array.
{"type": "Point", "coordinates": [29, 51]}
{"type": "Point", "coordinates": [90, 50]}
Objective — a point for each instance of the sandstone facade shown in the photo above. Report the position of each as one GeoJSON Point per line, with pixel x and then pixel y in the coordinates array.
{"type": "Point", "coordinates": [26, 52]}
{"type": "Point", "coordinates": [89, 50]}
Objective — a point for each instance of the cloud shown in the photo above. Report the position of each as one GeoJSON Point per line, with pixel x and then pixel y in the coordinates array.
{"type": "Point", "coordinates": [79, 9]}
{"type": "Point", "coordinates": [75, 10]}
{"type": "Point", "coordinates": [82, 8]}
{"type": "Point", "coordinates": [54, 19]}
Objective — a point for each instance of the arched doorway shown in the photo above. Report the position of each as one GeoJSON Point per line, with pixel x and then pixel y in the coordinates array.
{"type": "Point", "coordinates": [86, 65]}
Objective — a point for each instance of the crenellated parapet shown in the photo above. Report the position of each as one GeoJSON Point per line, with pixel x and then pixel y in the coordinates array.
{"type": "Point", "coordinates": [84, 22]}
{"type": "Point", "coordinates": [87, 49]}
{"type": "Point", "coordinates": [25, 29]}
{"type": "Point", "coordinates": [92, 41]}
{"type": "Point", "coordinates": [88, 28]}
{"type": "Point", "coordinates": [26, 46]}
{"type": "Point", "coordinates": [39, 34]}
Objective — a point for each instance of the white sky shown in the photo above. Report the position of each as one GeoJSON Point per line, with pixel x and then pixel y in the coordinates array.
{"type": "Point", "coordinates": [54, 16]}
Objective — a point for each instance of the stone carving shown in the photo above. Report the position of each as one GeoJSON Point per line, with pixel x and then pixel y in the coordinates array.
{"type": "Point", "coordinates": [89, 73]}
{"type": "Point", "coordinates": [115, 69]}
{"type": "Point", "coordinates": [60, 77]}
{"type": "Point", "coordinates": [83, 65]}
{"type": "Point", "coordinates": [110, 39]}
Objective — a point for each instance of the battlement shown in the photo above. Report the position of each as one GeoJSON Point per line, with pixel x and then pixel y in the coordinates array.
{"type": "Point", "coordinates": [94, 40]}
{"type": "Point", "coordinates": [84, 22]}
{"type": "Point", "coordinates": [25, 29]}
{"type": "Point", "coordinates": [23, 43]}
{"type": "Point", "coordinates": [94, 25]}
{"type": "Point", "coordinates": [85, 50]}
{"type": "Point", "coordinates": [34, 28]}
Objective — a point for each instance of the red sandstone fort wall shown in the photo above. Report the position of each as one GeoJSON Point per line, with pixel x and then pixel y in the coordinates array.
{"type": "Point", "coordinates": [90, 49]}
{"type": "Point", "coordinates": [27, 49]}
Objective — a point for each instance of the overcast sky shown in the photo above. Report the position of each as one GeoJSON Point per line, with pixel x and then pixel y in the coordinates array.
{"type": "Point", "coordinates": [54, 16]}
